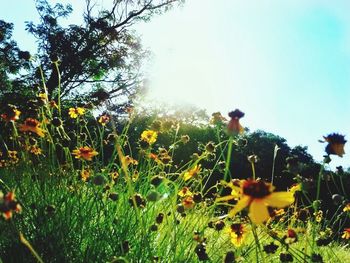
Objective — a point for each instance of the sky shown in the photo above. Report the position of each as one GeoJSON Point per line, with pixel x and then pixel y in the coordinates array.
{"type": "Point", "coordinates": [286, 64]}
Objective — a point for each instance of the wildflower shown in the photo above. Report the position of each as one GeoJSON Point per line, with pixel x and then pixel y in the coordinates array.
{"type": "Point", "coordinates": [156, 180]}
{"type": "Point", "coordinates": [35, 150]}
{"type": "Point", "coordinates": [335, 144]}
{"type": "Point", "coordinates": [76, 112]}
{"type": "Point", "coordinates": [201, 252]}
{"type": "Point", "coordinates": [85, 175]}
{"type": "Point", "coordinates": [258, 195]}
{"type": "Point", "coordinates": [188, 202]}
{"type": "Point", "coordinates": [234, 127]}
{"type": "Point", "coordinates": [32, 125]}
{"type": "Point", "coordinates": [270, 248]}
{"type": "Point", "coordinates": [237, 233]}
{"type": "Point", "coordinates": [137, 200]}
{"type": "Point", "coordinates": [295, 188]}
{"type": "Point", "coordinates": [11, 114]}
{"type": "Point", "coordinates": [8, 205]}
{"type": "Point", "coordinates": [210, 147]}
{"type": "Point", "coordinates": [104, 119]}
{"type": "Point", "coordinates": [219, 225]}
{"type": "Point", "coordinates": [217, 118]}
{"type": "Point", "coordinates": [318, 216]}
{"type": "Point", "coordinates": [53, 104]}
{"type": "Point", "coordinates": [347, 208]}
{"type": "Point", "coordinates": [290, 237]}
{"type": "Point", "coordinates": [159, 218]}
{"type": "Point", "coordinates": [346, 233]}
{"type": "Point", "coordinates": [197, 197]}
{"type": "Point", "coordinates": [185, 191]}
{"type": "Point", "coordinates": [114, 175]}
{"type": "Point", "coordinates": [149, 136]}
{"type": "Point", "coordinates": [85, 153]}
{"type": "Point", "coordinates": [129, 160]}
{"type": "Point", "coordinates": [43, 96]}
{"type": "Point", "coordinates": [193, 172]}
{"type": "Point", "coordinates": [185, 139]}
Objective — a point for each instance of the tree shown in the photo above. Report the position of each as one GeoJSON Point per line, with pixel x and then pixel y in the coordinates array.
{"type": "Point", "coordinates": [100, 58]}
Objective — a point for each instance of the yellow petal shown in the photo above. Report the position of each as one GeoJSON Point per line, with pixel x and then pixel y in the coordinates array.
{"type": "Point", "coordinates": [258, 212]}
{"type": "Point", "coordinates": [225, 198]}
{"type": "Point", "coordinates": [279, 199]}
{"type": "Point", "coordinates": [241, 204]}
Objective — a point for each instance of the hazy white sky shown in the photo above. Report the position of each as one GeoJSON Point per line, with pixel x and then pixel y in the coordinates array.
{"type": "Point", "coordinates": [286, 64]}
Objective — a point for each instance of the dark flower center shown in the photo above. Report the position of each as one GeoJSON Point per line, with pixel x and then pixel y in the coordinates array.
{"type": "Point", "coordinates": [256, 189]}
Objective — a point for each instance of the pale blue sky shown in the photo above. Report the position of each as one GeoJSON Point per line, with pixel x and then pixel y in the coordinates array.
{"type": "Point", "coordinates": [286, 64]}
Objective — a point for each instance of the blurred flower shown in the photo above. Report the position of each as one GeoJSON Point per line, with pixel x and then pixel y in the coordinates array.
{"type": "Point", "coordinates": [335, 144]}
{"type": "Point", "coordinates": [217, 118]}
{"type": "Point", "coordinates": [85, 153]}
{"type": "Point", "coordinates": [104, 119]}
{"type": "Point", "coordinates": [34, 150]}
{"type": "Point", "coordinates": [185, 191]}
{"type": "Point", "coordinates": [210, 147]}
{"type": "Point", "coordinates": [258, 195]}
{"type": "Point", "coordinates": [346, 233]}
{"type": "Point", "coordinates": [114, 175]}
{"type": "Point", "coordinates": [149, 136]}
{"type": "Point", "coordinates": [234, 127]}
{"type": "Point", "coordinates": [188, 202]}
{"type": "Point", "coordinates": [237, 232]}
{"type": "Point", "coordinates": [270, 248]}
{"type": "Point", "coordinates": [347, 208]}
{"type": "Point", "coordinates": [295, 188]}
{"type": "Point", "coordinates": [53, 104]}
{"type": "Point", "coordinates": [85, 174]}
{"type": "Point", "coordinates": [290, 237]}
{"type": "Point", "coordinates": [32, 125]}
{"type": "Point", "coordinates": [43, 96]}
{"type": "Point", "coordinates": [193, 172]}
{"type": "Point", "coordinates": [76, 112]}
{"type": "Point", "coordinates": [318, 216]}
{"type": "Point", "coordinates": [185, 139]}
{"type": "Point", "coordinates": [11, 114]}
{"type": "Point", "coordinates": [8, 205]}
{"type": "Point", "coordinates": [129, 160]}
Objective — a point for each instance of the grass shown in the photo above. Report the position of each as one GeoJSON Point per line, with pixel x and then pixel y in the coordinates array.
{"type": "Point", "coordinates": [126, 210]}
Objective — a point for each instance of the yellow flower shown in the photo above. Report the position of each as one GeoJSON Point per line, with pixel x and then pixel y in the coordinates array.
{"type": "Point", "coordinates": [34, 150]}
{"type": "Point", "coordinates": [347, 208]}
{"type": "Point", "coordinates": [76, 112]}
{"type": "Point", "coordinates": [114, 175]}
{"type": "Point", "coordinates": [12, 114]}
{"type": "Point", "coordinates": [104, 119]}
{"type": "Point", "coordinates": [85, 153]}
{"type": "Point", "coordinates": [188, 202]}
{"type": "Point", "coordinates": [318, 216]}
{"type": "Point", "coordinates": [43, 96]}
{"type": "Point", "coordinates": [149, 136]}
{"type": "Point", "coordinates": [85, 175]}
{"type": "Point", "coordinates": [295, 188]}
{"type": "Point", "coordinates": [192, 172]}
{"type": "Point", "coordinates": [185, 191]}
{"type": "Point", "coordinates": [32, 125]}
{"type": "Point", "coordinates": [237, 233]}
{"type": "Point", "coordinates": [346, 233]}
{"type": "Point", "coordinates": [258, 195]}
{"type": "Point", "coordinates": [129, 160]}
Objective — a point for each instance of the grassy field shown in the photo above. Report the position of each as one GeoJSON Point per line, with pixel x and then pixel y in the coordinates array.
{"type": "Point", "coordinates": [65, 199]}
